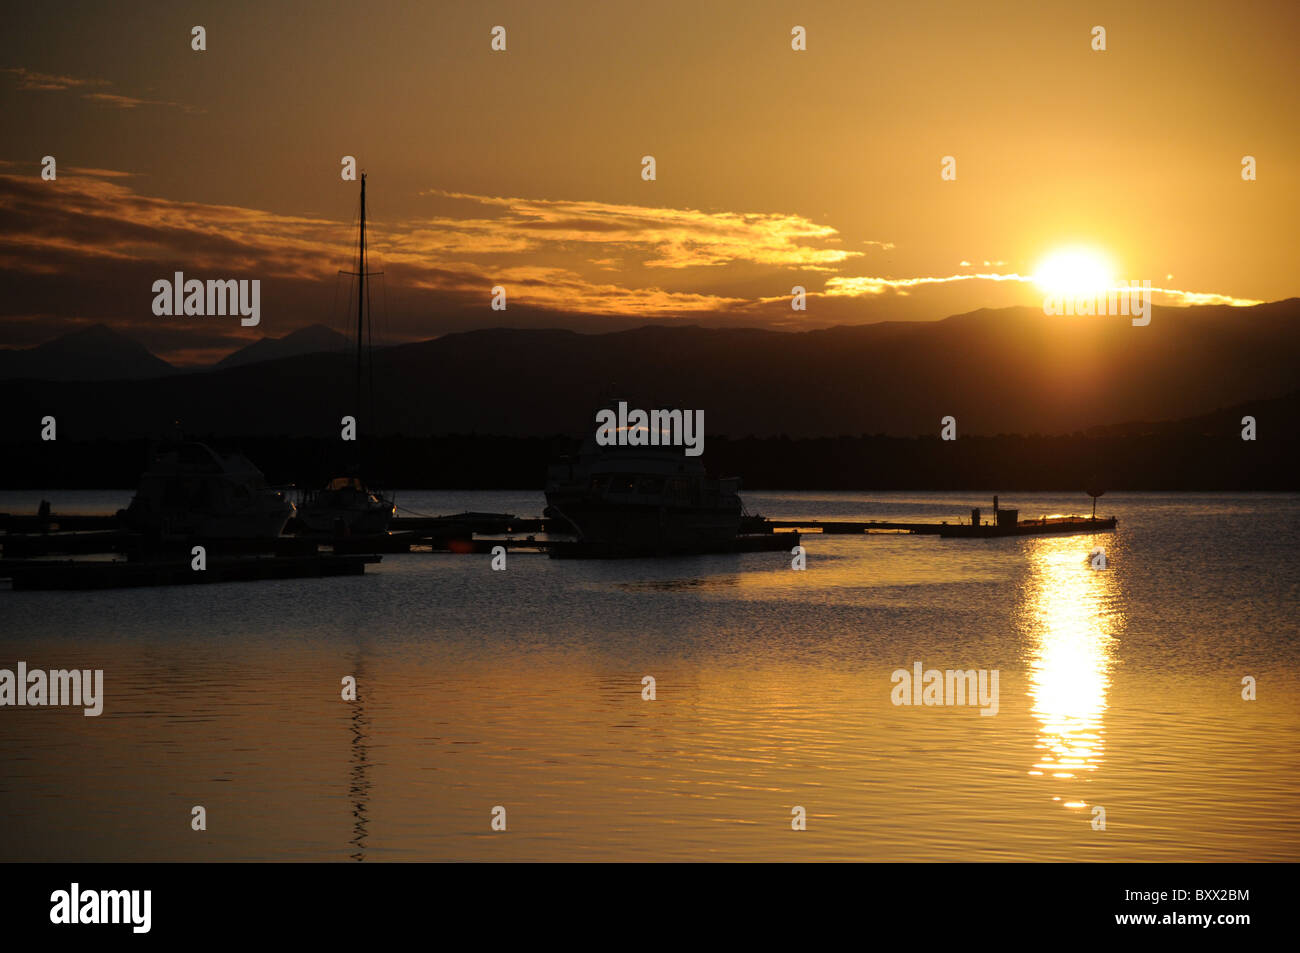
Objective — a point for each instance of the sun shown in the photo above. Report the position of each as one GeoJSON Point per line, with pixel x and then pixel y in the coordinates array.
{"type": "Point", "coordinates": [1075, 272]}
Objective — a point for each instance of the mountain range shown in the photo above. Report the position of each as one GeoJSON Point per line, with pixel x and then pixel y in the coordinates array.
{"type": "Point", "coordinates": [316, 339]}
{"type": "Point", "coordinates": [98, 353]}
{"type": "Point", "coordinates": [1012, 370]}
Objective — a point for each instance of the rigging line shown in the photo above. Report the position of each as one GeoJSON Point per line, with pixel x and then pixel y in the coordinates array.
{"type": "Point", "coordinates": [383, 329]}
{"type": "Point", "coordinates": [334, 308]}
{"type": "Point", "coordinates": [427, 516]}
{"type": "Point", "coordinates": [370, 347]}
{"type": "Point", "coordinates": [355, 256]}
{"type": "Point", "coordinates": [339, 322]}
{"type": "Point", "coordinates": [386, 318]}
{"type": "Point", "coordinates": [370, 326]}
{"type": "Point", "coordinates": [384, 311]}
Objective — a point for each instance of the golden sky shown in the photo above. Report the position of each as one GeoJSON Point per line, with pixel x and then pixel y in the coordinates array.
{"type": "Point", "coordinates": [775, 168]}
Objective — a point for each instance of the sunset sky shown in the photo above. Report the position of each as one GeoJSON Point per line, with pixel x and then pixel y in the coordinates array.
{"type": "Point", "coordinates": [775, 168]}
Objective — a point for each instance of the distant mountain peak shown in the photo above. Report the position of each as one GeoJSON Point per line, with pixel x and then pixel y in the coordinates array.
{"type": "Point", "coordinates": [98, 330]}
{"type": "Point", "coordinates": [313, 339]}
{"type": "Point", "coordinates": [95, 352]}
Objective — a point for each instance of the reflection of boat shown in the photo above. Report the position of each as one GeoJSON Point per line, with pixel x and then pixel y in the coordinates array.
{"type": "Point", "coordinates": [191, 490]}
{"type": "Point", "coordinates": [345, 503]}
{"type": "Point", "coordinates": [346, 506]}
{"type": "Point", "coordinates": [642, 500]}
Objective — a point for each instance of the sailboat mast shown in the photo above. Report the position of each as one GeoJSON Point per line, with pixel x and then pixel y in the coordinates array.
{"type": "Point", "coordinates": [361, 289]}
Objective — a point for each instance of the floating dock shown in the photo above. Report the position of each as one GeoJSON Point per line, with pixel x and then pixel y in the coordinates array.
{"type": "Point", "coordinates": [48, 534]}
{"type": "Point", "coordinates": [749, 543]}
{"type": "Point", "coordinates": [49, 523]}
{"type": "Point", "coordinates": [102, 527]}
{"type": "Point", "coordinates": [87, 574]}
{"type": "Point", "coordinates": [1005, 522]}
{"type": "Point", "coordinates": [1059, 525]}
{"type": "Point", "coordinates": [495, 524]}
{"type": "Point", "coordinates": [1062, 525]}
{"type": "Point", "coordinates": [136, 546]}
{"type": "Point", "coordinates": [854, 527]}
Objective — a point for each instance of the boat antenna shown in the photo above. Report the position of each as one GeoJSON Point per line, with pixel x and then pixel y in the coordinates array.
{"type": "Point", "coordinates": [1094, 490]}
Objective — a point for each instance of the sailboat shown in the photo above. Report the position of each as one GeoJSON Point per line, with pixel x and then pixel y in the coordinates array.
{"type": "Point", "coordinates": [345, 506]}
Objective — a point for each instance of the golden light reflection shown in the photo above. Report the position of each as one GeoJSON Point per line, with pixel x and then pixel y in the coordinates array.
{"type": "Point", "coordinates": [1072, 617]}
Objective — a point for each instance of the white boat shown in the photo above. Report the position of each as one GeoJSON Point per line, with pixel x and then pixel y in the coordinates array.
{"type": "Point", "coordinates": [643, 500]}
{"type": "Point", "coordinates": [191, 490]}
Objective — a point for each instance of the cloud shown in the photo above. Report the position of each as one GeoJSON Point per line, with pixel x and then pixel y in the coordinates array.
{"type": "Point", "coordinates": [89, 246]}
{"type": "Point", "coordinates": [116, 242]}
{"type": "Point", "coordinates": [31, 81]}
{"type": "Point", "coordinates": [855, 287]}
{"type": "Point", "coordinates": [660, 237]}
{"type": "Point", "coordinates": [129, 102]}
{"type": "Point", "coordinates": [840, 286]}
{"type": "Point", "coordinates": [1203, 297]}
{"type": "Point", "coordinates": [101, 173]}
{"type": "Point", "coordinates": [98, 220]}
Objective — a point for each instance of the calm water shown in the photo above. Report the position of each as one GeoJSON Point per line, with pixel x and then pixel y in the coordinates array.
{"type": "Point", "coordinates": [1118, 688]}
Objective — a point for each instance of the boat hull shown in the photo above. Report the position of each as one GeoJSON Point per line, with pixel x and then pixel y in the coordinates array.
{"type": "Point", "coordinates": [370, 521]}
{"type": "Point", "coordinates": [265, 523]}
{"type": "Point", "coordinates": [189, 490]}
{"type": "Point", "coordinates": [648, 529]}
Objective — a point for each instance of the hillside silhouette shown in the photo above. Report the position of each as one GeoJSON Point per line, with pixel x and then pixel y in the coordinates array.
{"type": "Point", "coordinates": [316, 339]}
{"type": "Point", "coordinates": [997, 371]}
{"type": "Point", "coordinates": [95, 353]}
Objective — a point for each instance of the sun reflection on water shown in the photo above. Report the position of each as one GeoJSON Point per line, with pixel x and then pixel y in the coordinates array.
{"type": "Point", "coordinates": [1072, 617]}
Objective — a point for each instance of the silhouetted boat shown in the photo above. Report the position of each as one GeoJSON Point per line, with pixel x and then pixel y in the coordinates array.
{"type": "Point", "coordinates": [1007, 522]}
{"type": "Point", "coordinates": [643, 501]}
{"type": "Point", "coordinates": [189, 489]}
{"type": "Point", "coordinates": [345, 505]}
